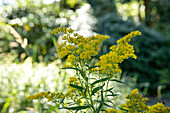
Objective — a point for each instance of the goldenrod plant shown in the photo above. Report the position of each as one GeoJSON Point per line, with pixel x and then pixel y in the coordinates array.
{"type": "Point", "coordinates": [89, 89]}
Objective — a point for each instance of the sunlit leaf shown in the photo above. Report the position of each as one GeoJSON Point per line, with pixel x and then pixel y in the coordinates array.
{"type": "Point", "coordinates": [100, 80]}
{"type": "Point", "coordinates": [53, 108]}
{"type": "Point", "coordinates": [93, 67]}
{"type": "Point", "coordinates": [103, 103]}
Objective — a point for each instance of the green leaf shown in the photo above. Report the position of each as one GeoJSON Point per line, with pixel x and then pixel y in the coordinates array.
{"type": "Point", "coordinates": [70, 103]}
{"type": "Point", "coordinates": [54, 41]}
{"type": "Point", "coordinates": [86, 78]}
{"type": "Point", "coordinates": [110, 102]}
{"type": "Point", "coordinates": [100, 106]}
{"type": "Point", "coordinates": [103, 103]}
{"type": "Point", "coordinates": [76, 70]}
{"type": "Point", "coordinates": [123, 109]}
{"type": "Point", "coordinates": [97, 89]}
{"type": "Point", "coordinates": [108, 89]}
{"type": "Point", "coordinates": [76, 107]}
{"type": "Point", "coordinates": [53, 108]}
{"type": "Point", "coordinates": [76, 86]}
{"type": "Point", "coordinates": [85, 91]}
{"type": "Point", "coordinates": [116, 80]}
{"type": "Point", "coordinates": [100, 80]}
{"type": "Point", "coordinates": [62, 100]}
{"type": "Point", "coordinates": [71, 68]}
{"type": "Point", "coordinates": [103, 110]}
{"type": "Point", "coordinates": [93, 67]}
{"type": "Point", "coordinates": [93, 78]}
{"type": "Point", "coordinates": [112, 94]}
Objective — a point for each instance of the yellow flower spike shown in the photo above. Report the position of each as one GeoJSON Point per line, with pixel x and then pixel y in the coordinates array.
{"type": "Point", "coordinates": [75, 34]}
{"type": "Point", "coordinates": [158, 108]}
{"type": "Point", "coordinates": [83, 48]}
{"type": "Point", "coordinates": [65, 66]}
{"type": "Point", "coordinates": [120, 52]}
{"type": "Point", "coordinates": [72, 79]}
{"type": "Point", "coordinates": [135, 102]}
{"type": "Point", "coordinates": [65, 31]}
{"type": "Point", "coordinates": [70, 30]}
{"type": "Point", "coordinates": [110, 111]}
{"type": "Point", "coordinates": [135, 91]}
{"type": "Point", "coordinates": [77, 83]}
{"type": "Point", "coordinates": [28, 98]}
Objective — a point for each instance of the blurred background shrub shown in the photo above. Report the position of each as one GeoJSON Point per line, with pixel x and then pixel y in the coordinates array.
{"type": "Point", "coordinates": [30, 23]}
{"type": "Point", "coordinates": [20, 80]}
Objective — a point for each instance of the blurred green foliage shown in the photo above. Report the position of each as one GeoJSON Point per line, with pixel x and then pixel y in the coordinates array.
{"type": "Point", "coordinates": [20, 80]}
{"type": "Point", "coordinates": [33, 21]}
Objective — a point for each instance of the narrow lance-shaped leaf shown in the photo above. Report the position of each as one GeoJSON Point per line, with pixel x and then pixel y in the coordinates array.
{"type": "Point", "coordinates": [108, 89]}
{"type": "Point", "coordinates": [112, 94]}
{"type": "Point", "coordinates": [110, 102]}
{"type": "Point", "coordinates": [75, 108]}
{"type": "Point", "coordinates": [100, 80]}
{"type": "Point", "coordinates": [86, 78]}
{"type": "Point", "coordinates": [76, 86]}
{"type": "Point", "coordinates": [85, 91]}
{"type": "Point", "coordinates": [116, 80]}
{"type": "Point", "coordinates": [123, 109]}
{"type": "Point", "coordinates": [70, 103]}
{"type": "Point", "coordinates": [93, 67]}
{"type": "Point", "coordinates": [103, 103]}
{"type": "Point", "coordinates": [62, 100]}
{"type": "Point", "coordinates": [73, 69]}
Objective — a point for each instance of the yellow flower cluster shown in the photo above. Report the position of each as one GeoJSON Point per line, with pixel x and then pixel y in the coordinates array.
{"type": "Point", "coordinates": [135, 102]}
{"type": "Point", "coordinates": [72, 92]}
{"type": "Point", "coordinates": [127, 38]}
{"type": "Point", "coordinates": [49, 95]}
{"type": "Point", "coordinates": [112, 111]}
{"type": "Point", "coordinates": [158, 108]}
{"type": "Point", "coordinates": [73, 80]}
{"type": "Point", "coordinates": [109, 63]}
{"type": "Point", "coordinates": [78, 47]}
{"type": "Point", "coordinates": [38, 96]}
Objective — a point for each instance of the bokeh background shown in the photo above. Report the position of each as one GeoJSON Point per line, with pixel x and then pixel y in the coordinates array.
{"type": "Point", "coordinates": [29, 62]}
